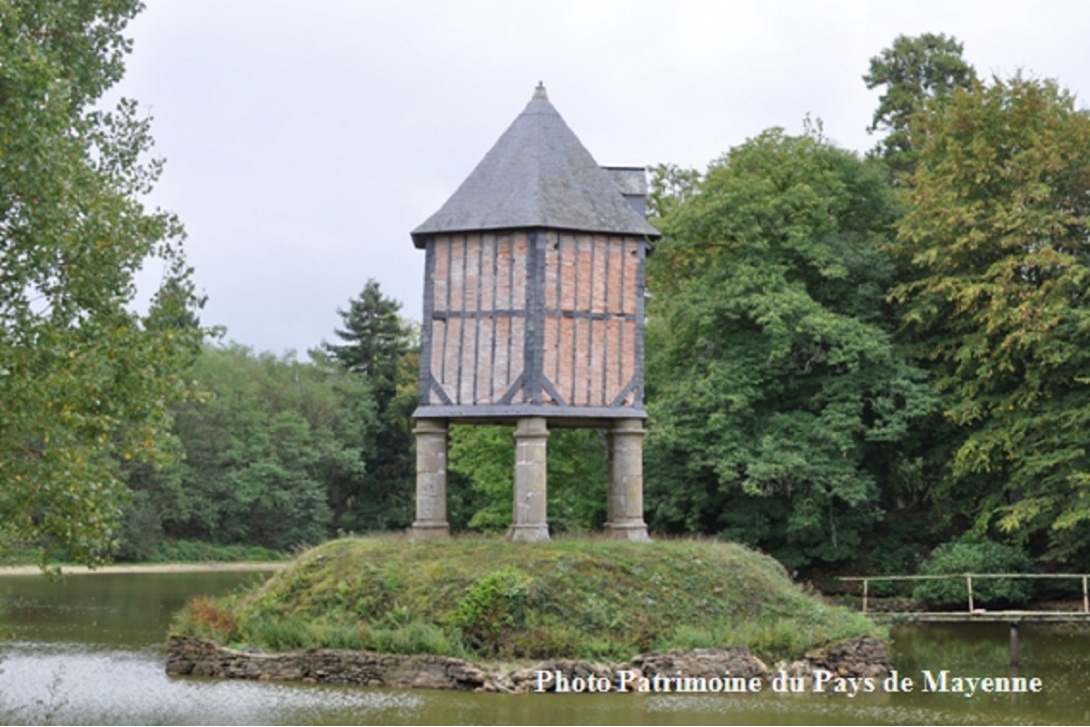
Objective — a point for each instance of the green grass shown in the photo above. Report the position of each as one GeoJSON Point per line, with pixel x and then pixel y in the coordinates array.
{"type": "Point", "coordinates": [490, 599]}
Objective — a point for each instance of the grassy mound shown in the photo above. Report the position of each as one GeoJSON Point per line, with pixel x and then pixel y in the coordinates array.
{"type": "Point", "coordinates": [490, 599]}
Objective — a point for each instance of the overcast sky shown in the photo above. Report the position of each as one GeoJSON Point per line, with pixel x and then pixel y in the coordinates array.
{"type": "Point", "coordinates": [305, 139]}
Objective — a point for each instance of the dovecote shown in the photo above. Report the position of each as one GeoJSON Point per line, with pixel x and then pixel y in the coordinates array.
{"type": "Point", "coordinates": [533, 315]}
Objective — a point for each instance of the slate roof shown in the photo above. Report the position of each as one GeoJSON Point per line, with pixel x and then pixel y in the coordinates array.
{"type": "Point", "coordinates": [537, 175]}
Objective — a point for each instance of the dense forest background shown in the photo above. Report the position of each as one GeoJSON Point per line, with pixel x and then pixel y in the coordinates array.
{"type": "Point", "coordinates": [855, 363]}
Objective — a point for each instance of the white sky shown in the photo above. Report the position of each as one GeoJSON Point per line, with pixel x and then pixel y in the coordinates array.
{"type": "Point", "coordinates": [304, 139]}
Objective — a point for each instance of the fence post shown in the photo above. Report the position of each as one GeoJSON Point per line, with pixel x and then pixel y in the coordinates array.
{"type": "Point", "coordinates": [866, 582]}
{"type": "Point", "coordinates": [969, 582]}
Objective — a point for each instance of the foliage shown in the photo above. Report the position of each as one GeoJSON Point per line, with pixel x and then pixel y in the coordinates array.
{"type": "Point", "coordinates": [898, 547]}
{"type": "Point", "coordinates": [380, 348]}
{"type": "Point", "coordinates": [774, 388]}
{"type": "Point", "coordinates": [915, 72]}
{"type": "Point", "coordinates": [140, 536]}
{"type": "Point", "coordinates": [995, 245]}
{"type": "Point", "coordinates": [196, 551]}
{"type": "Point", "coordinates": [973, 554]}
{"type": "Point", "coordinates": [493, 608]}
{"type": "Point", "coordinates": [85, 382]}
{"type": "Point", "coordinates": [484, 456]}
{"type": "Point", "coordinates": [564, 599]}
{"type": "Point", "coordinates": [262, 454]}
{"type": "Point", "coordinates": [208, 619]}
{"type": "Point", "coordinates": [670, 185]}
{"type": "Point", "coordinates": [375, 338]}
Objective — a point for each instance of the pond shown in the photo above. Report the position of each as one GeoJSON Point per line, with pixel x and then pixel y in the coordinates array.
{"type": "Point", "coordinates": [88, 649]}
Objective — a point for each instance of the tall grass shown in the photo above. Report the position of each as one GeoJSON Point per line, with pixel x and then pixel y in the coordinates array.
{"type": "Point", "coordinates": [487, 598]}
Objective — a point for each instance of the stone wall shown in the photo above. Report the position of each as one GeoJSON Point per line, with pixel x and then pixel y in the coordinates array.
{"type": "Point", "coordinates": [862, 657]}
{"type": "Point", "coordinates": [195, 657]}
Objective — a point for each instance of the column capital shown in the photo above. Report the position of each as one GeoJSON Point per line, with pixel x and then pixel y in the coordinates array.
{"type": "Point", "coordinates": [429, 426]}
{"type": "Point", "coordinates": [632, 427]}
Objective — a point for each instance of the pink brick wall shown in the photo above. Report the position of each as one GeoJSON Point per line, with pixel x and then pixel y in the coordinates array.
{"type": "Point", "coordinates": [589, 359]}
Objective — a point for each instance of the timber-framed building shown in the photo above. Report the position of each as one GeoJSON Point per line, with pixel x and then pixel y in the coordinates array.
{"type": "Point", "coordinates": [533, 316]}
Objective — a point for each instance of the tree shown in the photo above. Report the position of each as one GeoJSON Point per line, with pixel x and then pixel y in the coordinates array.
{"type": "Point", "coordinates": [484, 456]}
{"type": "Point", "coordinates": [375, 338]}
{"type": "Point", "coordinates": [670, 186]}
{"type": "Point", "coordinates": [85, 382]}
{"type": "Point", "coordinates": [914, 72]}
{"type": "Point", "coordinates": [267, 454]}
{"type": "Point", "coordinates": [381, 348]}
{"type": "Point", "coordinates": [774, 389]}
{"type": "Point", "coordinates": [995, 238]}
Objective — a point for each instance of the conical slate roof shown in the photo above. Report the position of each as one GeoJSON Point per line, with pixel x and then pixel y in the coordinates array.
{"type": "Point", "coordinates": [537, 175]}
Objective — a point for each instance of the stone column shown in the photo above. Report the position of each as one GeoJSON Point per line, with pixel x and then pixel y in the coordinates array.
{"type": "Point", "coordinates": [431, 480]}
{"type": "Point", "coordinates": [531, 518]}
{"type": "Point", "coordinates": [624, 512]}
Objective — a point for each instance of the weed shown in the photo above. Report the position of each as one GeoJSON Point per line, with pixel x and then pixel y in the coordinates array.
{"type": "Point", "coordinates": [491, 609]}
{"type": "Point", "coordinates": [210, 619]}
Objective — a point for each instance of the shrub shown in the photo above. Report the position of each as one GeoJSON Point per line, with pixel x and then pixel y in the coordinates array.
{"type": "Point", "coordinates": [493, 606]}
{"type": "Point", "coordinates": [196, 551]}
{"type": "Point", "coordinates": [975, 554]}
{"type": "Point", "coordinates": [209, 619]}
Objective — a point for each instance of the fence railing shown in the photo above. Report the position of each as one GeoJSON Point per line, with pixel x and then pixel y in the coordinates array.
{"type": "Point", "coordinates": [969, 577]}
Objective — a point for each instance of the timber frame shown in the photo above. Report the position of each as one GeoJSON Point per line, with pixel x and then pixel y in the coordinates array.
{"type": "Point", "coordinates": [534, 287]}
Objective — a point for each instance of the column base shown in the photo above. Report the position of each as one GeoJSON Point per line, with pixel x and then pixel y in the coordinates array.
{"type": "Point", "coordinates": [633, 532]}
{"type": "Point", "coordinates": [430, 530]}
{"type": "Point", "coordinates": [529, 534]}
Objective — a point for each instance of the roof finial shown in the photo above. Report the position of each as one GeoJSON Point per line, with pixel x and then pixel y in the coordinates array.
{"type": "Point", "coordinates": [539, 92]}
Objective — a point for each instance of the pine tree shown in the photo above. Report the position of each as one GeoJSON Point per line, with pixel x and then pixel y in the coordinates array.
{"type": "Point", "coordinates": [914, 71]}
{"type": "Point", "coordinates": [381, 347]}
{"type": "Point", "coordinates": [375, 338]}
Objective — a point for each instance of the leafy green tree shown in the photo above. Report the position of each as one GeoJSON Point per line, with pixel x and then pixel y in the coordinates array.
{"type": "Point", "coordinates": [670, 185]}
{"type": "Point", "coordinates": [774, 389]}
{"type": "Point", "coordinates": [265, 456]}
{"type": "Point", "coordinates": [382, 348]}
{"type": "Point", "coordinates": [484, 457]}
{"type": "Point", "coordinates": [995, 239]}
{"type": "Point", "coordinates": [914, 71]}
{"type": "Point", "coordinates": [85, 382]}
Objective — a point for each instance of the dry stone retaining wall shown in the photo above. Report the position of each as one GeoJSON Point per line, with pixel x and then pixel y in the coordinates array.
{"type": "Point", "coordinates": [196, 657]}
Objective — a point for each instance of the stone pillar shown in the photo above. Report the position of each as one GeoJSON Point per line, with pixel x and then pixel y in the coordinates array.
{"type": "Point", "coordinates": [624, 512]}
{"type": "Point", "coordinates": [531, 518]}
{"type": "Point", "coordinates": [431, 480]}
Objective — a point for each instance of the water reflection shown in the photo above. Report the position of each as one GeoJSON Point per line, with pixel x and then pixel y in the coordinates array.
{"type": "Point", "coordinates": [1057, 653]}
{"type": "Point", "coordinates": [68, 684]}
{"type": "Point", "coordinates": [118, 609]}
